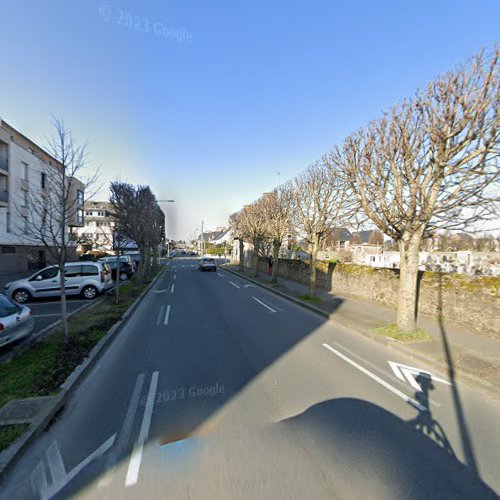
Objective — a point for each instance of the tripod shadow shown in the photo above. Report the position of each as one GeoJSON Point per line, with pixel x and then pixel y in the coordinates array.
{"type": "Point", "coordinates": [424, 422]}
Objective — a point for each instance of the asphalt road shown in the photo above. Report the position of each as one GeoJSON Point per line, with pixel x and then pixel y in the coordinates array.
{"type": "Point", "coordinates": [218, 389]}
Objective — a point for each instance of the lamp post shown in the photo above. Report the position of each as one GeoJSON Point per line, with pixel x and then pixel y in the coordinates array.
{"type": "Point", "coordinates": [168, 242]}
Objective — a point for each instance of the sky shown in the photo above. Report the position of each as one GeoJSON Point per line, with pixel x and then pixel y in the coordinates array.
{"type": "Point", "coordinates": [212, 103]}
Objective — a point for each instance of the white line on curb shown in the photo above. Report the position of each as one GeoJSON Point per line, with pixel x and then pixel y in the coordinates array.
{"type": "Point", "coordinates": [262, 304]}
{"type": "Point", "coordinates": [135, 459]}
{"type": "Point", "coordinates": [383, 383]}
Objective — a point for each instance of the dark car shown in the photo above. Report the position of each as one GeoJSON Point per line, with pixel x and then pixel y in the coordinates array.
{"type": "Point", "coordinates": [126, 270]}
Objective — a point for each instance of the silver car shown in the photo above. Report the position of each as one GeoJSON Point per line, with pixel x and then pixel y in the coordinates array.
{"type": "Point", "coordinates": [207, 264]}
{"type": "Point", "coordinates": [87, 279]}
{"type": "Point", "coordinates": [15, 321]}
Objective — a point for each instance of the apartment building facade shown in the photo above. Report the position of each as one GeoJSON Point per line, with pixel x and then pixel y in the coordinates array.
{"type": "Point", "coordinates": [23, 177]}
{"type": "Point", "coordinates": [97, 232]}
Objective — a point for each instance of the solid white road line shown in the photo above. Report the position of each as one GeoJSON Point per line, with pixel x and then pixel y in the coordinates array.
{"type": "Point", "coordinates": [167, 315]}
{"type": "Point", "coordinates": [124, 436]}
{"type": "Point", "coordinates": [46, 315]}
{"type": "Point", "coordinates": [262, 304]}
{"type": "Point", "coordinates": [55, 463]}
{"type": "Point", "coordinates": [160, 315]}
{"type": "Point", "coordinates": [39, 479]}
{"type": "Point", "coordinates": [383, 383]}
{"type": "Point", "coordinates": [172, 289]}
{"type": "Point", "coordinates": [175, 276]}
{"type": "Point", "coordinates": [135, 459]}
{"type": "Point", "coordinates": [234, 284]}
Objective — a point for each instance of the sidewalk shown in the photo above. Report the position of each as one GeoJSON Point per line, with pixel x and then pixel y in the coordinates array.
{"type": "Point", "coordinates": [475, 356]}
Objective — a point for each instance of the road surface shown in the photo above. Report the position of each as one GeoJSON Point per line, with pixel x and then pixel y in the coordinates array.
{"type": "Point", "coordinates": [218, 389]}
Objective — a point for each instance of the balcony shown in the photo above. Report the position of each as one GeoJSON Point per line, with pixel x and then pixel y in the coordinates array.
{"type": "Point", "coordinates": [4, 196]}
{"type": "Point", "coordinates": [4, 164]}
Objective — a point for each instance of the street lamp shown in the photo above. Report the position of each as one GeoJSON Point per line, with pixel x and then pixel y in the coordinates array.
{"type": "Point", "coordinates": [168, 242]}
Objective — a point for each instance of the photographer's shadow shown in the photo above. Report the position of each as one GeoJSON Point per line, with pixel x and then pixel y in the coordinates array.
{"type": "Point", "coordinates": [424, 421]}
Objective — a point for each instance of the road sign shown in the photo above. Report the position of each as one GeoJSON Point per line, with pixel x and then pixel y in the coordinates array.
{"type": "Point", "coordinates": [408, 374]}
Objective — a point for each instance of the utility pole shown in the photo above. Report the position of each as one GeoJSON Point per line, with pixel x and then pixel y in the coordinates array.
{"type": "Point", "coordinates": [202, 242]}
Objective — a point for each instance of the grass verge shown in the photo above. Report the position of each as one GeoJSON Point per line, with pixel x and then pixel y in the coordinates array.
{"type": "Point", "coordinates": [311, 298]}
{"type": "Point", "coordinates": [43, 367]}
{"type": "Point", "coordinates": [391, 330]}
{"type": "Point", "coordinates": [10, 433]}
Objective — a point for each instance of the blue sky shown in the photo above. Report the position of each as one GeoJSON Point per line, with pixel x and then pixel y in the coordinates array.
{"type": "Point", "coordinates": [207, 100]}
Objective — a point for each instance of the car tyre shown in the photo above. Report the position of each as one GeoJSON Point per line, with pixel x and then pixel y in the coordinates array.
{"type": "Point", "coordinates": [21, 296]}
{"type": "Point", "coordinates": [89, 292]}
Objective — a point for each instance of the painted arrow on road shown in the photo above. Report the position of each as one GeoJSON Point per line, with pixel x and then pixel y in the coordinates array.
{"type": "Point", "coordinates": [248, 286]}
{"type": "Point", "coordinates": [160, 291]}
{"type": "Point", "coordinates": [60, 478]}
{"type": "Point", "coordinates": [408, 374]}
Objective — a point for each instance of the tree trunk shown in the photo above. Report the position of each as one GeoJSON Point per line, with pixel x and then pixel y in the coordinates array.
{"type": "Point", "coordinates": [276, 249]}
{"type": "Point", "coordinates": [117, 276]}
{"type": "Point", "coordinates": [147, 267]}
{"type": "Point", "coordinates": [407, 294]}
{"type": "Point", "coordinates": [242, 250]}
{"type": "Point", "coordinates": [314, 257]}
{"type": "Point", "coordinates": [256, 244]}
{"type": "Point", "coordinates": [64, 308]}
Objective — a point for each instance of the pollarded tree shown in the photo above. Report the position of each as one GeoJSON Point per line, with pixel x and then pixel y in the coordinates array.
{"type": "Point", "coordinates": [253, 223]}
{"type": "Point", "coordinates": [277, 211]}
{"type": "Point", "coordinates": [430, 164]}
{"type": "Point", "coordinates": [321, 201]}
{"type": "Point", "coordinates": [237, 229]}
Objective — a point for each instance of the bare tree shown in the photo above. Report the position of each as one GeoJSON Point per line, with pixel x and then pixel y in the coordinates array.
{"type": "Point", "coordinates": [57, 206]}
{"type": "Point", "coordinates": [237, 229]}
{"type": "Point", "coordinates": [376, 238]}
{"type": "Point", "coordinates": [253, 224]}
{"type": "Point", "coordinates": [321, 201]}
{"type": "Point", "coordinates": [430, 163]}
{"type": "Point", "coordinates": [277, 211]}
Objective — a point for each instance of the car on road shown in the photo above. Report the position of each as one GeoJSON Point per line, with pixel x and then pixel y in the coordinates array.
{"type": "Point", "coordinates": [125, 271]}
{"type": "Point", "coordinates": [88, 279]}
{"type": "Point", "coordinates": [16, 321]}
{"type": "Point", "coordinates": [207, 264]}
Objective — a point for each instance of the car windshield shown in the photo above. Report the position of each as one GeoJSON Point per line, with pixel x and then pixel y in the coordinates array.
{"type": "Point", "coordinates": [7, 307]}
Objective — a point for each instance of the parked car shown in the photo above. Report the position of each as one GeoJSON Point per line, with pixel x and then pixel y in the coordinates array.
{"type": "Point", "coordinates": [136, 257]}
{"type": "Point", "coordinates": [207, 264]}
{"type": "Point", "coordinates": [87, 279]}
{"type": "Point", "coordinates": [123, 258]}
{"type": "Point", "coordinates": [126, 270]}
{"type": "Point", "coordinates": [87, 257]}
{"type": "Point", "coordinates": [15, 321]}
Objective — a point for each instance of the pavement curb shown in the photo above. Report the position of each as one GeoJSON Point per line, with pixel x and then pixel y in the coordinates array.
{"type": "Point", "coordinates": [464, 376]}
{"type": "Point", "coordinates": [13, 453]}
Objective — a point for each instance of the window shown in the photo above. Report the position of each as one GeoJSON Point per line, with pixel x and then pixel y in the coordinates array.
{"type": "Point", "coordinates": [46, 274]}
{"type": "Point", "coordinates": [100, 214]}
{"type": "Point", "coordinates": [79, 198]}
{"type": "Point", "coordinates": [25, 169]}
{"type": "Point", "coordinates": [43, 180]}
{"type": "Point", "coordinates": [8, 223]}
{"type": "Point", "coordinates": [79, 216]}
{"type": "Point", "coordinates": [88, 270]}
{"type": "Point", "coordinates": [88, 213]}
{"type": "Point", "coordinates": [8, 249]}
{"type": "Point", "coordinates": [72, 271]}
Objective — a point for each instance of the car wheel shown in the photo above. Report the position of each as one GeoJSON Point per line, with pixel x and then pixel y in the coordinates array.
{"type": "Point", "coordinates": [89, 292]}
{"type": "Point", "coordinates": [123, 276]}
{"type": "Point", "coordinates": [21, 296]}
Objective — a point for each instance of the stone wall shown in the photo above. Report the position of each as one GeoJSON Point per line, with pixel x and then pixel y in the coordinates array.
{"type": "Point", "coordinates": [474, 301]}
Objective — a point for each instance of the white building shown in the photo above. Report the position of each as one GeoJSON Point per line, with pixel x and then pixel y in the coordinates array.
{"type": "Point", "coordinates": [23, 176]}
{"type": "Point", "coordinates": [98, 229]}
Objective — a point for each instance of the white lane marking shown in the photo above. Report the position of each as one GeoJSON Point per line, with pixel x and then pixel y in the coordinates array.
{"type": "Point", "coordinates": [160, 315]}
{"type": "Point", "coordinates": [382, 382]}
{"type": "Point", "coordinates": [124, 435]}
{"type": "Point", "coordinates": [265, 305]}
{"type": "Point", "coordinates": [375, 367]}
{"type": "Point", "coordinates": [167, 315]}
{"type": "Point", "coordinates": [175, 276]}
{"type": "Point", "coordinates": [135, 459]}
{"type": "Point", "coordinates": [219, 274]}
{"type": "Point", "coordinates": [39, 479]}
{"type": "Point", "coordinates": [172, 289]}
{"type": "Point", "coordinates": [160, 291]}
{"type": "Point", "coordinates": [268, 302]}
{"type": "Point", "coordinates": [234, 284]}
{"type": "Point", "coordinates": [401, 371]}
{"type": "Point", "coordinates": [55, 463]}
